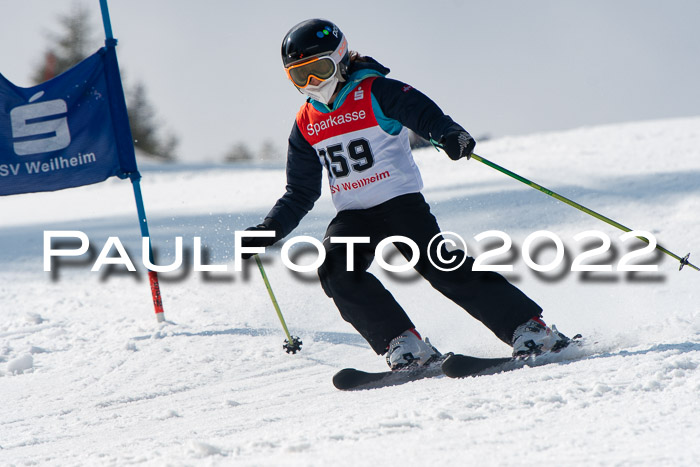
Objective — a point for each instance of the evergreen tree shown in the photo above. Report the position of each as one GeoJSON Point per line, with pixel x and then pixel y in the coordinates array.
{"type": "Point", "coordinates": [269, 152]}
{"type": "Point", "coordinates": [144, 128]}
{"type": "Point", "coordinates": [74, 43]}
{"type": "Point", "coordinates": [239, 153]}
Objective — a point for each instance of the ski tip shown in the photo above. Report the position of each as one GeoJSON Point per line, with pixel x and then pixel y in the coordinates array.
{"type": "Point", "coordinates": [345, 379]}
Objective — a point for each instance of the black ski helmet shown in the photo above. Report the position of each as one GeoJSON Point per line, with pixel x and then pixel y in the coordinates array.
{"type": "Point", "coordinates": [314, 38]}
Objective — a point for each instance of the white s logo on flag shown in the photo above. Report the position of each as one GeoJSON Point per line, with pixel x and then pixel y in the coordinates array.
{"type": "Point", "coordinates": [34, 120]}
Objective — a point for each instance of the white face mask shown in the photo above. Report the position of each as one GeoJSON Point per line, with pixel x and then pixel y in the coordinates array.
{"type": "Point", "coordinates": [323, 92]}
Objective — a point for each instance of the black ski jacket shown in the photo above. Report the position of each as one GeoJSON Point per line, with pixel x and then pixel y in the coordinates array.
{"type": "Point", "coordinates": [398, 102]}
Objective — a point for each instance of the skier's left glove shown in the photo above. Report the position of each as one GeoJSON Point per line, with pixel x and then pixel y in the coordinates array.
{"type": "Point", "coordinates": [458, 144]}
{"type": "Point", "coordinates": [268, 224]}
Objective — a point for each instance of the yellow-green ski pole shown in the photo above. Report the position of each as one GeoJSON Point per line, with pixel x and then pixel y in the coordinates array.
{"type": "Point", "coordinates": [684, 261]}
{"type": "Point", "coordinates": [292, 344]}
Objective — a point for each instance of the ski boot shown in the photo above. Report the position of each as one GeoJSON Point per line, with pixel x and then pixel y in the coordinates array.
{"type": "Point", "coordinates": [409, 349]}
{"type": "Point", "coordinates": [534, 337]}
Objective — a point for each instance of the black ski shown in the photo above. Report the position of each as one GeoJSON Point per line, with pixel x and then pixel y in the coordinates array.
{"type": "Point", "coordinates": [452, 365]}
{"type": "Point", "coordinates": [351, 379]}
{"type": "Point", "coordinates": [461, 366]}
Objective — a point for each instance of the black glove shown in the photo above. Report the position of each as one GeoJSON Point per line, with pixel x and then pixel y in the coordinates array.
{"type": "Point", "coordinates": [268, 224]}
{"type": "Point", "coordinates": [458, 144]}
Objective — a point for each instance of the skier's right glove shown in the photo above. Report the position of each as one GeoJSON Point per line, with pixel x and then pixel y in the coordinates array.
{"type": "Point", "coordinates": [268, 224]}
{"type": "Point", "coordinates": [458, 144]}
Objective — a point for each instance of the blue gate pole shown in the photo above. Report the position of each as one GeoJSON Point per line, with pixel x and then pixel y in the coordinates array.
{"type": "Point", "coordinates": [136, 185]}
{"type": "Point", "coordinates": [105, 20]}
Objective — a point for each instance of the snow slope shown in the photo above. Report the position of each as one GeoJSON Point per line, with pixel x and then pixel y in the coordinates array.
{"type": "Point", "coordinates": [87, 376]}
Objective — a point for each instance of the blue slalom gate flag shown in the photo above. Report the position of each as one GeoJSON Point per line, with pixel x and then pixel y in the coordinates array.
{"type": "Point", "coordinates": [70, 131]}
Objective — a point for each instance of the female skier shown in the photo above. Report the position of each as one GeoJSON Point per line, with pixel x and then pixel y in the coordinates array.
{"type": "Point", "coordinates": [355, 123]}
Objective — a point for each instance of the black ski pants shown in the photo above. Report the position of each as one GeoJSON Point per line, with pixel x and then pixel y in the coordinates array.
{"type": "Point", "coordinates": [371, 309]}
